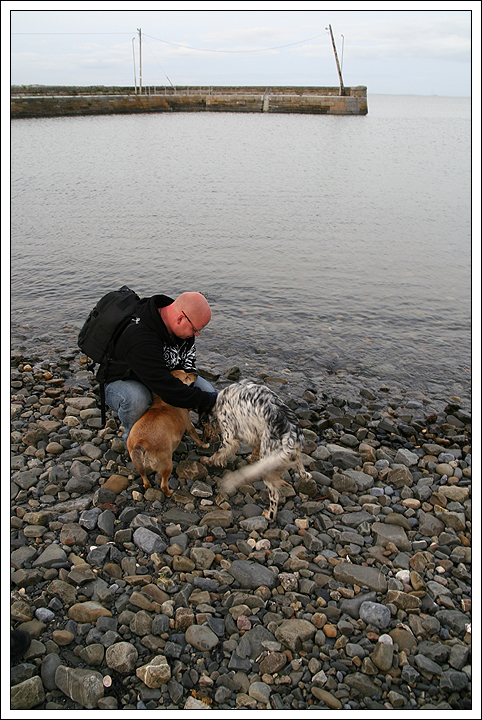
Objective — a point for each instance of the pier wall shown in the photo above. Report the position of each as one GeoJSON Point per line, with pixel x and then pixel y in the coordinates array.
{"type": "Point", "coordinates": [54, 102]}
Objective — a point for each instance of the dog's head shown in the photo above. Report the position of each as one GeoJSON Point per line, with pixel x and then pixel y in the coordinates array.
{"type": "Point", "coordinates": [185, 377]}
{"type": "Point", "coordinates": [209, 424]}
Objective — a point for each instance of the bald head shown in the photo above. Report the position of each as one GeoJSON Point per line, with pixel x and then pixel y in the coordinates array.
{"type": "Point", "coordinates": [196, 308]}
{"type": "Point", "coordinates": [187, 315]}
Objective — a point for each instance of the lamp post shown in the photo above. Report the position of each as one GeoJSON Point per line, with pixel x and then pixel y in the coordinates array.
{"type": "Point", "coordinates": [342, 89]}
{"type": "Point", "coordinates": [140, 62]}
{"type": "Point", "coordinates": [134, 59]}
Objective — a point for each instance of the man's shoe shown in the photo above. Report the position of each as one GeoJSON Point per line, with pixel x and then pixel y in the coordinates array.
{"type": "Point", "coordinates": [19, 643]}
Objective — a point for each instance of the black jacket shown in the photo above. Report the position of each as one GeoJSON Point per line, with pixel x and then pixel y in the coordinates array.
{"type": "Point", "coordinates": [146, 352]}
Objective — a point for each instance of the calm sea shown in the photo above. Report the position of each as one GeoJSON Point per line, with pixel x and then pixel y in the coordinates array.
{"type": "Point", "coordinates": [327, 244]}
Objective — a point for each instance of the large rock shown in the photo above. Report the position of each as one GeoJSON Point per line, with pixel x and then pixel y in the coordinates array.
{"type": "Point", "coordinates": [88, 612]}
{"type": "Point", "coordinates": [429, 525]}
{"type": "Point", "coordinates": [252, 575]}
{"type": "Point", "coordinates": [121, 657]}
{"type": "Point", "coordinates": [148, 541]}
{"type": "Point", "coordinates": [360, 575]}
{"type": "Point", "coordinates": [51, 555]}
{"type": "Point", "coordinates": [84, 687]}
{"type": "Point", "coordinates": [391, 533]}
{"type": "Point", "coordinates": [376, 614]}
{"type": "Point", "coordinates": [399, 475]}
{"type": "Point", "coordinates": [217, 518]}
{"type": "Point", "coordinates": [293, 633]}
{"type": "Point", "coordinates": [201, 637]}
{"type": "Point", "coordinates": [155, 673]}
{"type": "Point", "coordinates": [27, 694]}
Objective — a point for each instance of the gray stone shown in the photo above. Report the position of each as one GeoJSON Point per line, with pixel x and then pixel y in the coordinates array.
{"type": "Point", "coordinates": [382, 655]}
{"type": "Point", "coordinates": [454, 620]}
{"type": "Point", "coordinates": [44, 615]}
{"type": "Point", "coordinates": [391, 533]}
{"type": "Point", "coordinates": [51, 555]}
{"type": "Point", "coordinates": [355, 519]}
{"type": "Point", "coordinates": [202, 557]}
{"type": "Point", "coordinates": [22, 555]}
{"type": "Point", "coordinates": [93, 654]}
{"type": "Point", "coordinates": [406, 457]}
{"type": "Point", "coordinates": [427, 666]}
{"type": "Point", "coordinates": [376, 614]}
{"type": "Point", "coordinates": [351, 606]}
{"type": "Point", "coordinates": [252, 643]}
{"type": "Point", "coordinates": [355, 650]}
{"type": "Point", "coordinates": [201, 637]}
{"type": "Point", "coordinates": [459, 655]}
{"type": "Point", "coordinates": [252, 575]}
{"type": "Point", "coordinates": [257, 523]}
{"type": "Point", "coordinates": [177, 515]}
{"type": "Point", "coordinates": [429, 525]}
{"type": "Point", "coordinates": [360, 575]}
{"type": "Point", "coordinates": [364, 482]}
{"type": "Point", "coordinates": [364, 684]}
{"type": "Point", "coordinates": [260, 692]}
{"type": "Point", "coordinates": [92, 451]}
{"type": "Point", "coordinates": [155, 673]}
{"type": "Point", "coordinates": [399, 475]}
{"type": "Point", "coordinates": [148, 541]}
{"type": "Point", "coordinates": [293, 633]}
{"type": "Point", "coordinates": [88, 518]}
{"type": "Point", "coordinates": [80, 685]}
{"type": "Point", "coordinates": [121, 657]}
{"type": "Point", "coordinates": [105, 522]}
{"type": "Point", "coordinates": [49, 666]}
{"type": "Point", "coordinates": [28, 694]}
{"type": "Point", "coordinates": [453, 681]}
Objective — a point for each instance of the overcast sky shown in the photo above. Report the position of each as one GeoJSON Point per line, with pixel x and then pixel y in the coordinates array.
{"type": "Point", "coordinates": [398, 51]}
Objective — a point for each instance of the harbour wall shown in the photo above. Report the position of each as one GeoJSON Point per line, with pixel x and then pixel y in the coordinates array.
{"type": "Point", "coordinates": [32, 102]}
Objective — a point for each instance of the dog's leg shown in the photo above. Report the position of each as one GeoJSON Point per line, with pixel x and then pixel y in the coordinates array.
{"type": "Point", "coordinates": [304, 474]}
{"type": "Point", "coordinates": [228, 448]}
{"type": "Point", "coordinates": [166, 474]}
{"type": "Point", "coordinates": [191, 430]}
{"type": "Point", "coordinates": [138, 457]}
{"type": "Point", "coordinates": [254, 457]}
{"type": "Point", "coordinates": [273, 481]}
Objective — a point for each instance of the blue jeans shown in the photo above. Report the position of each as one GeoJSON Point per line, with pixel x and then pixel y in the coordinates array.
{"type": "Point", "coordinates": [130, 399]}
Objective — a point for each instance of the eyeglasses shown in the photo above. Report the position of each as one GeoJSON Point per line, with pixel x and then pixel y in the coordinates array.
{"type": "Point", "coordinates": [196, 331]}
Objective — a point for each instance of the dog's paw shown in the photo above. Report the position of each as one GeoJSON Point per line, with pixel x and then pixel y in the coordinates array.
{"type": "Point", "coordinates": [268, 515]}
{"type": "Point", "coordinates": [205, 460]}
{"type": "Point", "coordinates": [146, 484]}
{"type": "Point", "coordinates": [167, 491]}
{"type": "Point", "coordinates": [205, 445]}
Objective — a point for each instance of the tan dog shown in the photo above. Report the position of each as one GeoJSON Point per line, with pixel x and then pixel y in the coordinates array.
{"type": "Point", "coordinates": [155, 436]}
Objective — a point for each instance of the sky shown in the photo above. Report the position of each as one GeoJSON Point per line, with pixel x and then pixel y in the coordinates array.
{"type": "Point", "coordinates": [413, 48]}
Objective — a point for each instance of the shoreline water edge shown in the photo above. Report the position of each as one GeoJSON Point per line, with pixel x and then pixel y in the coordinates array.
{"type": "Point", "coordinates": [357, 597]}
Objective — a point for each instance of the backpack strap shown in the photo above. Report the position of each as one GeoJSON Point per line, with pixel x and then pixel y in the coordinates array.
{"type": "Point", "coordinates": [101, 375]}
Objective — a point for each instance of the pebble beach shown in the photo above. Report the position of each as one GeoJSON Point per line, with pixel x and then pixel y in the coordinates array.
{"type": "Point", "coordinates": [357, 597]}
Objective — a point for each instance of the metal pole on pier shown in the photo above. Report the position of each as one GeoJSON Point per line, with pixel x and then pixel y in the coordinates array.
{"type": "Point", "coordinates": [134, 59]}
{"type": "Point", "coordinates": [140, 62]}
{"type": "Point", "coordinates": [342, 89]}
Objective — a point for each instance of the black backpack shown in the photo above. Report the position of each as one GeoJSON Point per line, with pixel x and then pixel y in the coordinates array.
{"type": "Point", "coordinates": [102, 328]}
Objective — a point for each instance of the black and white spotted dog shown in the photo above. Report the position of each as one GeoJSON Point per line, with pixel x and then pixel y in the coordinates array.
{"type": "Point", "coordinates": [255, 415]}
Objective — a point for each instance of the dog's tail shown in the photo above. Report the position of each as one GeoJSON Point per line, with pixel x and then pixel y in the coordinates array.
{"type": "Point", "coordinates": [139, 460]}
{"type": "Point", "coordinates": [250, 473]}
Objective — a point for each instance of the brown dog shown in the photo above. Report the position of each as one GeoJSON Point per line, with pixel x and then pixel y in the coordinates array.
{"type": "Point", "coordinates": [155, 436]}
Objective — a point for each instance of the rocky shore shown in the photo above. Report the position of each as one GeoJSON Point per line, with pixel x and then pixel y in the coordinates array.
{"type": "Point", "coordinates": [358, 596]}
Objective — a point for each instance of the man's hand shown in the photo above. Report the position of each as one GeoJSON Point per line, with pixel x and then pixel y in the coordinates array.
{"type": "Point", "coordinates": [209, 402]}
